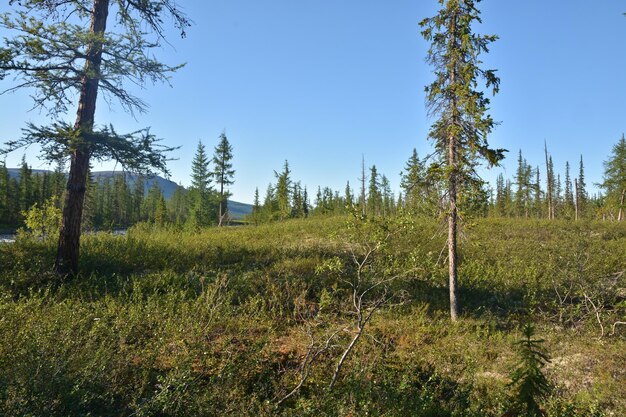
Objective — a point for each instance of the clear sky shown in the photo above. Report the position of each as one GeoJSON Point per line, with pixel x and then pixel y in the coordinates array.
{"type": "Point", "coordinates": [320, 83]}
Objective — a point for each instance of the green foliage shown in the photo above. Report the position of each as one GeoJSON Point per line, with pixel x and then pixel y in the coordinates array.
{"type": "Point", "coordinates": [223, 173]}
{"type": "Point", "coordinates": [453, 96]}
{"type": "Point", "coordinates": [167, 322]}
{"type": "Point", "coordinates": [614, 181]}
{"type": "Point", "coordinates": [45, 221]}
{"type": "Point", "coordinates": [528, 379]}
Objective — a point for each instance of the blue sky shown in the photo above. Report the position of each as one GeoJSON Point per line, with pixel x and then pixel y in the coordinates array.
{"type": "Point", "coordinates": [320, 83]}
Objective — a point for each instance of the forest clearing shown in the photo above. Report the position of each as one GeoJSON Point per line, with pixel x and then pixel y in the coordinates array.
{"type": "Point", "coordinates": [163, 322]}
{"type": "Point", "coordinates": [140, 278]}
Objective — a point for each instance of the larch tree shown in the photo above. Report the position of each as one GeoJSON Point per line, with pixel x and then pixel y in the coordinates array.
{"type": "Point", "coordinates": [462, 125]}
{"type": "Point", "coordinates": [223, 174]}
{"type": "Point", "coordinates": [61, 51]}
{"type": "Point", "coordinates": [614, 180]}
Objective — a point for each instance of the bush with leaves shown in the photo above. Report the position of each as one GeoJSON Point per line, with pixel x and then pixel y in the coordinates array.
{"type": "Point", "coordinates": [43, 222]}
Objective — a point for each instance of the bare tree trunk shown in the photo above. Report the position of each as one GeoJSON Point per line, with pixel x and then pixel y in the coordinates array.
{"type": "Point", "coordinates": [620, 215]}
{"type": "Point", "coordinates": [69, 237]}
{"type": "Point", "coordinates": [549, 184]}
{"type": "Point", "coordinates": [363, 209]}
{"type": "Point", "coordinates": [222, 213]}
{"type": "Point", "coordinates": [576, 199]}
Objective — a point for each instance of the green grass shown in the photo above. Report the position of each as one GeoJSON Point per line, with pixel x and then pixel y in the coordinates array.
{"type": "Point", "coordinates": [166, 323]}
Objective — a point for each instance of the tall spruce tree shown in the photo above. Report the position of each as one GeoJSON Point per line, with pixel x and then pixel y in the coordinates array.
{"type": "Point", "coordinates": [305, 203]}
{"type": "Point", "coordinates": [283, 191]}
{"type": "Point", "coordinates": [223, 174]}
{"type": "Point", "coordinates": [348, 196]}
{"type": "Point", "coordinates": [5, 213]}
{"type": "Point", "coordinates": [460, 132]}
{"type": "Point", "coordinates": [569, 194]}
{"type": "Point", "coordinates": [537, 198]}
{"type": "Point", "coordinates": [374, 196]}
{"type": "Point", "coordinates": [201, 212]}
{"type": "Point", "coordinates": [582, 189]}
{"type": "Point", "coordinates": [412, 182]}
{"type": "Point", "coordinates": [614, 179]}
{"type": "Point", "coordinates": [61, 50]}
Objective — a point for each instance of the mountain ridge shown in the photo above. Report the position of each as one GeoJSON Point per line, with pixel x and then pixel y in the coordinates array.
{"type": "Point", "coordinates": [236, 209]}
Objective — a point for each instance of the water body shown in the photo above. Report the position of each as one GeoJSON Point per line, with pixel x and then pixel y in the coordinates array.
{"type": "Point", "coordinates": [7, 238]}
{"type": "Point", "coordinates": [10, 238]}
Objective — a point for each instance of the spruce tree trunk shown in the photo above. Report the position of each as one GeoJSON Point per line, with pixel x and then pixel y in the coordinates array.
{"type": "Point", "coordinates": [452, 231]}
{"type": "Point", "coordinates": [620, 215]}
{"type": "Point", "coordinates": [222, 205]}
{"type": "Point", "coordinates": [69, 238]}
{"type": "Point", "coordinates": [452, 192]}
{"type": "Point", "coordinates": [577, 200]}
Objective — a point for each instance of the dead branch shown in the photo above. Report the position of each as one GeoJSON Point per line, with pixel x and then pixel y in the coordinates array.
{"type": "Point", "coordinates": [615, 325]}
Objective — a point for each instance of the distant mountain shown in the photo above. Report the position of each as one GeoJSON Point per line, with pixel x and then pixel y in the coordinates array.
{"type": "Point", "coordinates": [15, 172]}
{"type": "Point", "coordinates": [237, 210]}
{"type": "Point", "coordinates": [167, 187]}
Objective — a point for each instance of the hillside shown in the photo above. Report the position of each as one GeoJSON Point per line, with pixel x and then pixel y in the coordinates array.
{"type": "Point", "coordinates": [237, 210]}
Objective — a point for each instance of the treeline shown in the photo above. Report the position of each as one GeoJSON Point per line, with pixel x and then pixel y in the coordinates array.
{"type": "Point", "coordinates": [109, 202]}
{"type": "Point", "coordinates": [19, 193]}
{"type": "Point", "coordinates": [531, 193]}
{"type": "Point", "coordinates": [562, 196]}
{"type": "Point", "coordinates": [287, 198]}
{"type": "Point", "coordinates": [122, 200]}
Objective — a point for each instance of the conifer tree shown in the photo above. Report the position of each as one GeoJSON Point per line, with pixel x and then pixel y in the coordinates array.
{"type": "Point", "coordinates": [58, 181]}
{"type": "Point", "coordinates": [269, 203]}
{"type": "Point", "coordinates": [223, 174]}
{"type": "Point", "coordinates": [349, 200]}
{"type": "Point", "coordinates": [91, 207]}
{"type": "Point", "coordinates": [500, 203]}
{"type": "Point", "coordinates": [524, 186]}
{"type": "Point", "coordinates": [412, 182]}
{"type": "Point", "coordinates": [297, 208]}
{"type": "Point", "coordinates": [387, 196]}
{"type": "Point", "coordinates": [160, 213]}
{"type": "Point", "coordinates": [569, 195]}
{"type": "Point", "coordinates": [5, 214]}
{"type": "Point", "coordinates": [138, 195]}
{"type": "Point", "coordinates": [614, 179]}
{"type": "Point", "coordinates": [201, 210]}
{"type": "Point", "coordinates": [551, 188]}
{"type": "Point", "coordinates": [460, 133]}
{"type": "Point", "coordinates": [62, 50]}
{"type": "Point", "coordinates": [256, 207]}
{"type": "Point", "coordinates": [549, 182]}
{"type": "Point", "coordinates": [528, 378]}
{"type": "Point", "coordinates": [283, 191]}
{"type": "Point", "coordinates": [537, 199]}
{"type": "Point", "coordinates": [374, 198]}
{"type": "Point", "coordinates": [178, 205]}
{"type": "Point", "coordinates": [305, 203]}
{"type": "Point", "coordinates": [26, 186]}
{"type": "Point", "coordinates": [582, 189]}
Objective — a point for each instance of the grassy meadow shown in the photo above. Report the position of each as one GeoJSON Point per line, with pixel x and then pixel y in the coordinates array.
{"type": "Point", "coordinates": [228, 321]}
